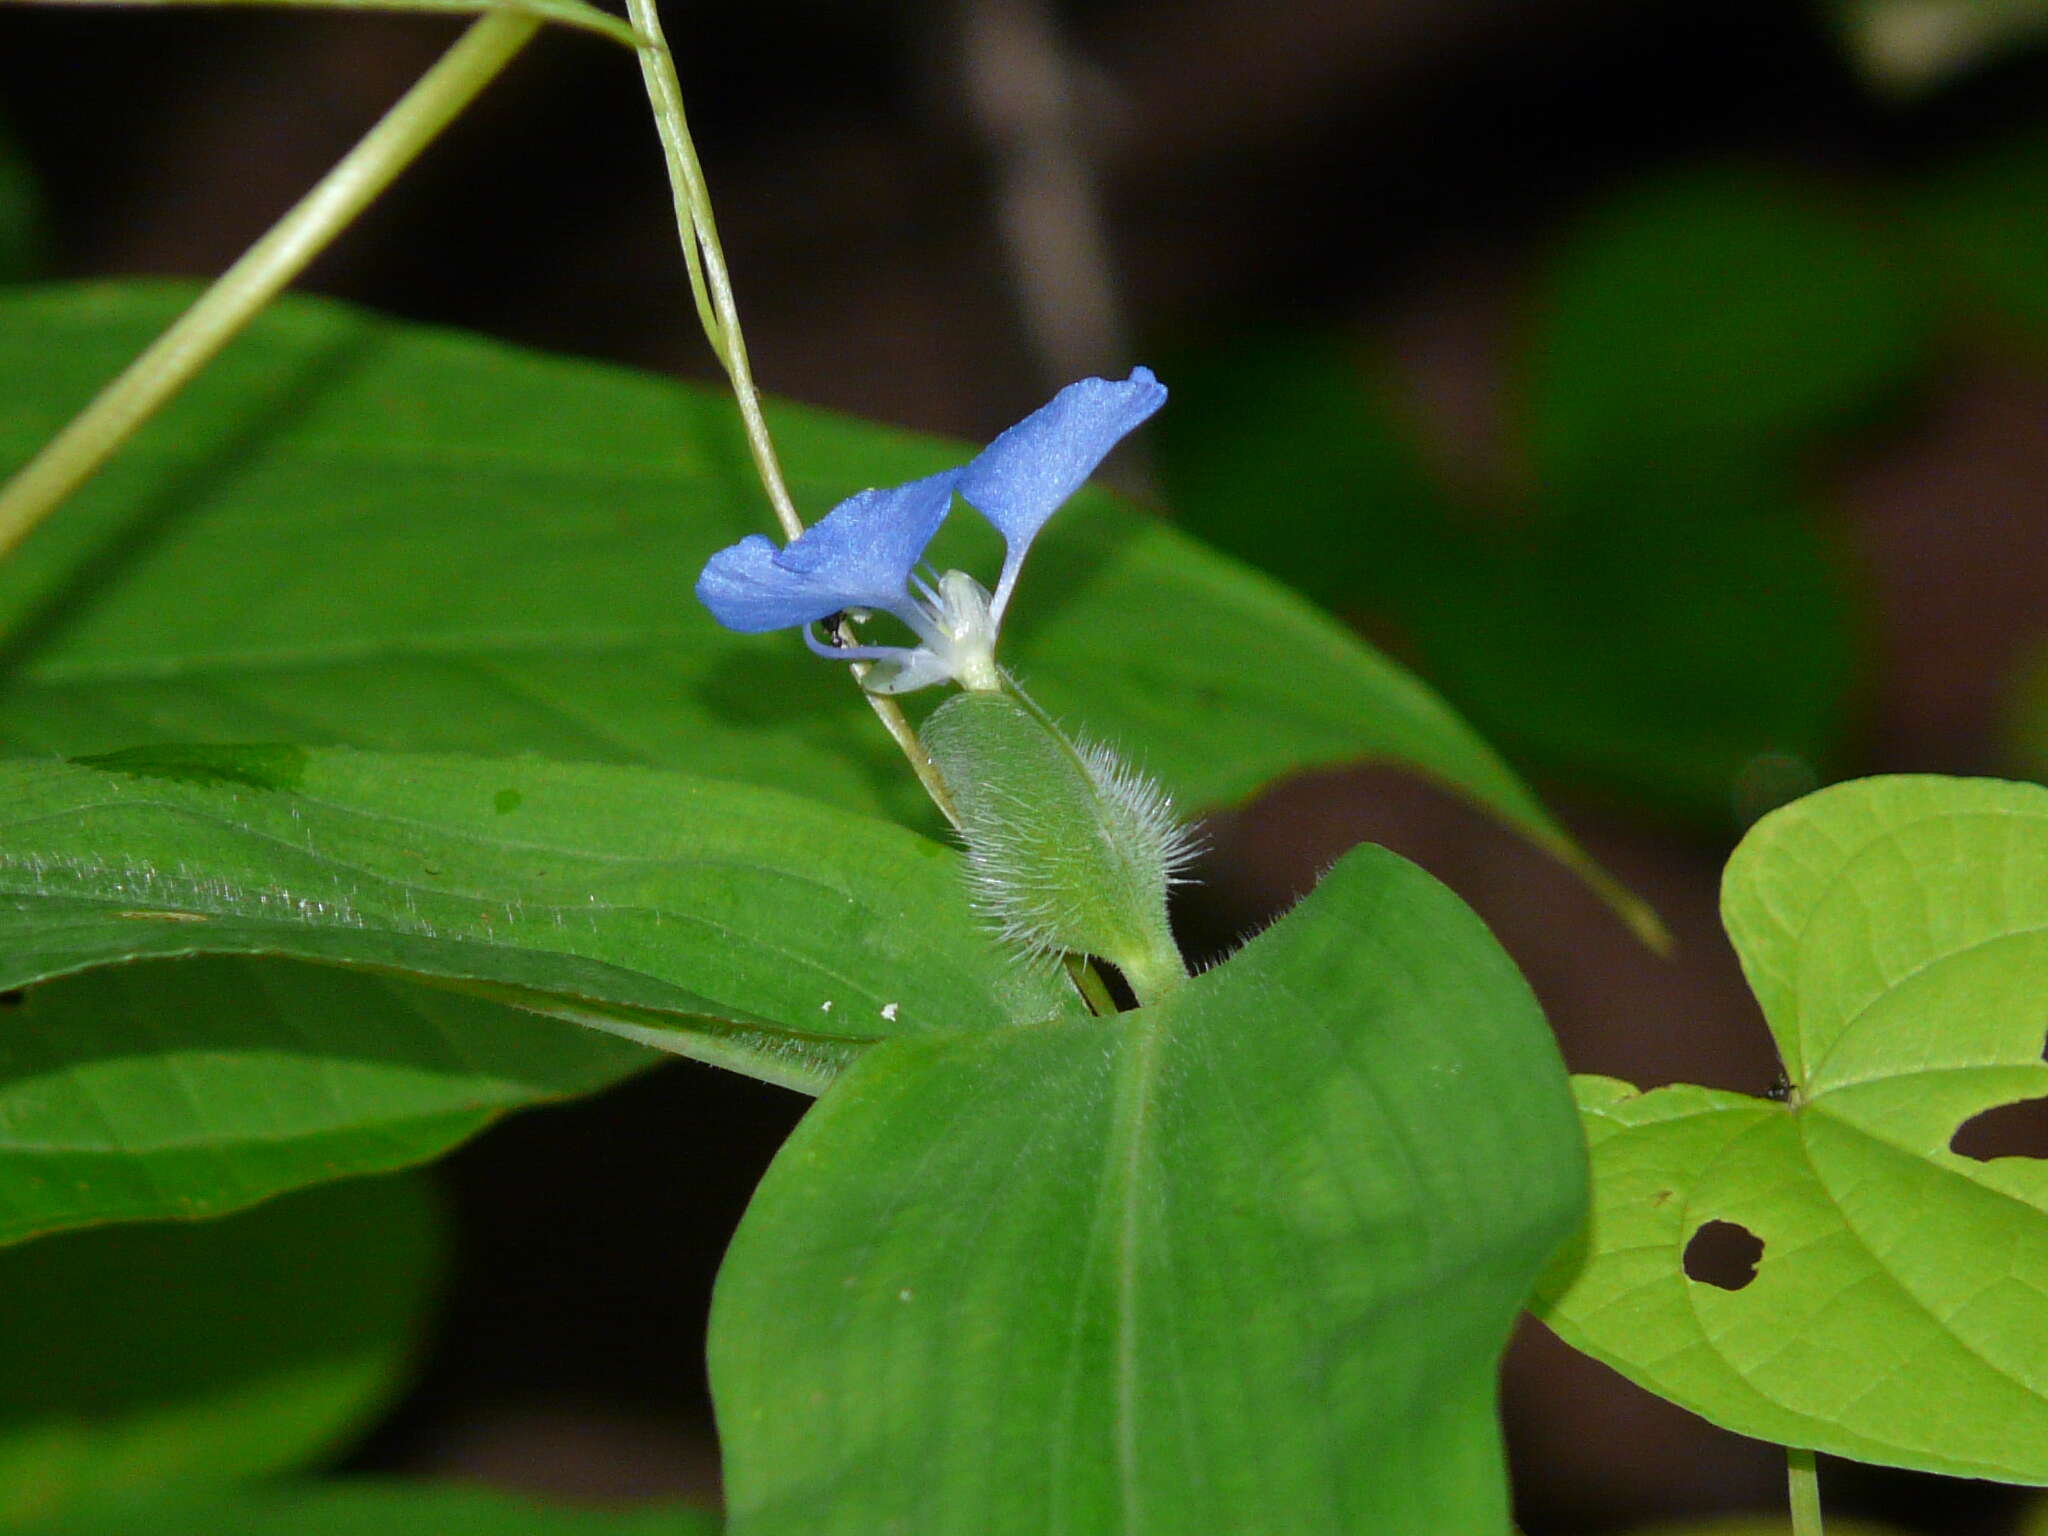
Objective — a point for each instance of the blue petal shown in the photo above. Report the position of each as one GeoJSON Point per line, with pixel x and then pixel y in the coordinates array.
{"type": "Point", "coordinates": [1020, 479]}
{"type": "Point", "coordinates": [859, 555]}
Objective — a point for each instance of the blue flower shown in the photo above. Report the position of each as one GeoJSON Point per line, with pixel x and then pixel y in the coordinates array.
{"type": "Point", "coordinates": [865, 553]}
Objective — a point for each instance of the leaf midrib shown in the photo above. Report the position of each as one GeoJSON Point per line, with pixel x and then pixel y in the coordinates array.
{"type": "Point", "coordinates": [1124, 1160]}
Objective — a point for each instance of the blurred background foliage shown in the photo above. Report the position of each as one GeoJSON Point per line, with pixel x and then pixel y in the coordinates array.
{"type": "Point", "coordinates": [1666, 382]}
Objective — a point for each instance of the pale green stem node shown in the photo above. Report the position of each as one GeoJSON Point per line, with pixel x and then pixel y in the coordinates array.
{"type": "Point", "coordinates": [1070, 851]}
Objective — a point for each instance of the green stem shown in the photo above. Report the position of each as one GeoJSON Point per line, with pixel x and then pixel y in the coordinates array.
{"type": "Point", "coordinates": [1804, 1480]}
{"type": "Point", "coordinates": [1089, 983]}
{"type": "Point", "coordinates": [710, 282]}
{"type": "Point", "coordinates": [1157, 974]}
{"type": "Point", "coordinates": [154, 378]}
{"type": "Point", "coordinates": [718, 313]}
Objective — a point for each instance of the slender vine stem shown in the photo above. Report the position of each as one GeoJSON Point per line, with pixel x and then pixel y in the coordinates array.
{"type": "Point", "coordinates": [197, 336]}
{"type": "Point", "coordinates": [718, 313]}
{"type": "Point", "coordinates": [1803, 1478]}
{"type": "Point", "coordinates": [710, 282]}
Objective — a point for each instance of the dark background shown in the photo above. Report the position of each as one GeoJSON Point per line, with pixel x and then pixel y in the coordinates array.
{"type": "Point", "coordinates": [1384, 171]}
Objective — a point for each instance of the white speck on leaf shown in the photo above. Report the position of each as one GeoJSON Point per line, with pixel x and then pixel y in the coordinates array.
{"type": "Point", "coordinates": [889, 1012]}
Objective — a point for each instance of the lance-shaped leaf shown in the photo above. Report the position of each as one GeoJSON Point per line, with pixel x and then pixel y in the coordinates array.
{"type": "Point", "coordinates": [186, 1356]}
{"type": "Point", "coordinates": [1243, 1260]}
{"type": "Point", "coordinates": [760, 931]}
{"type": "Point", "coordinates": [192, 1087]}
{"type": "Point", "coordinates": [355, 531]}
{"type": "Point", "coordinates": [1879, 1289]}
{"type": "Point", "coordinates": [568, 13]}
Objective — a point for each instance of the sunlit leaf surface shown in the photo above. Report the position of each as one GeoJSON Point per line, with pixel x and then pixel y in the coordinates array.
{"type": "Point", "coordinates": [1862, 1268]}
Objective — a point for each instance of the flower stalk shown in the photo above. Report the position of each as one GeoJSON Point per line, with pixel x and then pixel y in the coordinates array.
{"type": "Point", "coordinates": [718, 313]}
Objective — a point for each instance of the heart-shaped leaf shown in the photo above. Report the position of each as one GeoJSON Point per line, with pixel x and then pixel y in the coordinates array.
{"type": "Point", "coordinates": [1878, 1292]}
{"type": "Point", "coordinates": [360, 532]}
{"type": "Point", "coordinates": [1242, 1260]}
{"type": "Point", "coordinates": [196, 1355]}
{"type": "Point", "coordinates": [736, 925]}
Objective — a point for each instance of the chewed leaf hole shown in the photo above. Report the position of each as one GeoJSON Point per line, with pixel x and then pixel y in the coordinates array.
{"type": "Point", "coordinates": [1723, 1254]}
{"type": "Point", "coordinates": [2010, 1130]}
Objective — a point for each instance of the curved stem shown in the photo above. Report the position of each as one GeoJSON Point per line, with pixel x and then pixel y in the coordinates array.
{"type": "Point", "coordinates": [710, 282]}
{"type": "Point", "coordinates": [900, 730]}
{"type": "Point", "coordinates": [154, 378]}
{"type": "Point", "coordinates": [1803, 1478]}
{"type": "Point", "coordinates": [718, 313]}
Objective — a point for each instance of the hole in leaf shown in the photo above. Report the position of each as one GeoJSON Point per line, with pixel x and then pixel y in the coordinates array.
{"type": "Point", "coordinates": [12, 999]}
{"type": "Point", "coordinates": [2010, 1130]}
{"type": "Point", "coordinates": [1723, 1254]}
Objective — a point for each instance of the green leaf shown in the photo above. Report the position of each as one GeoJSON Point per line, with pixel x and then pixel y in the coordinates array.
{"type": "Point", "coordinates": [568, 13]}
{"type": "Point", "coordinates": [1896, 933]}
{"type": "Point", "coordinates": [24, 234]}
{"type": "Point", "coordinates": [354, 531]}
{"type": "Point", "coordinates": [1910, 46]}
{"type": "Point", "coordinates": [1720, 311]}
{"type": "Point", "coordinates": [194, 1087]}
{"type": "Point", "coordinates": [1681, 640]}
{"type": "Point", "coordinates": [1981, 221]}
{"type": "Point", "coordinates": [1240, 1261]}
{"type": "Point", "coordinates": [756, 930]}
{"type": "Point", "coordinates": [1279, 450]}
{"type": "Point", "coordinates": [362, 1508]}
{"type": "Point", "coordinates": [148, 1358]}
{"type": "Point", "coordinates": [1680, 635]}
{"type": "Point", "coordinates": [610, 886]}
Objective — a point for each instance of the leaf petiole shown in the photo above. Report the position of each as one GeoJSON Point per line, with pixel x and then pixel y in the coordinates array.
{"type": "Point", "coordinates": [1803, 1478]}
